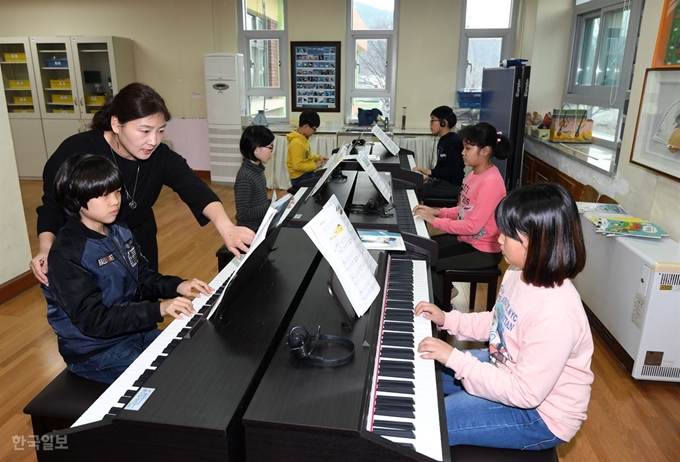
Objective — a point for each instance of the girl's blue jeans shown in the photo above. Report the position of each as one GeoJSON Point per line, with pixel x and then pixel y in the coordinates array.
{"type": "Point", "coordinates": [109, 364]}
{"type": "Point", "coordinates": [479, 422]}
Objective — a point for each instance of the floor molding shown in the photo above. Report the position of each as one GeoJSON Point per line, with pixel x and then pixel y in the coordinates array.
{"type": "Point", "coordinates": [16, 286]}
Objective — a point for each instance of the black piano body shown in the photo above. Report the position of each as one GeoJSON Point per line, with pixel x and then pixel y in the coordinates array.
{"type": "Point", "coordinates": [303, 412]}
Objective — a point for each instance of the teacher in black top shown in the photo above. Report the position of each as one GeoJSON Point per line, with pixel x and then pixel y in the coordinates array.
{"type": "Point", "coordinates": [129, 130]}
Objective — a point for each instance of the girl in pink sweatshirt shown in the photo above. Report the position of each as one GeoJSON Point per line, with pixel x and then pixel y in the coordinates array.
{"type": "Point", "coordinates": [472, 235]}
{"type": "Point", "coordinates": [531, 388]}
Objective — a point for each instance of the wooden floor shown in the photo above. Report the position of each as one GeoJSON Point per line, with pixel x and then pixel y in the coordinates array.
{"type": "Point", "coordinates": [628, 420]}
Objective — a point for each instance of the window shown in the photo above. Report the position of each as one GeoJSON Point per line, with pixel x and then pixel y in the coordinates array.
{"type": "Point", "coordinates": [486, 37]}
{"type": "Point", "coordinates": [263, 40]}
{"type": "Point", "coordinates": [371, 56]}
{"type": "Point", "coordinates": [601, 64]}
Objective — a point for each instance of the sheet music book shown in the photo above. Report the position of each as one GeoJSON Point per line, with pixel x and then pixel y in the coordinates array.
{"type": "Point", "coordinates": [333, 162]}
{"type": "Point", "coordinates": [379, 182]}
{"type": "Point", "coordinates": [385, 140]}
{"type": "Point", "coordinates": [336, 239]}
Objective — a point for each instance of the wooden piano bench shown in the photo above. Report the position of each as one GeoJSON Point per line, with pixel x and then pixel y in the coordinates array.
{"type": "Point", "coordinates": [482, 454]}
{"type": "Point", "coordinates": [487, 276]}
{"type": "Point", "coordinates": [62, 402]}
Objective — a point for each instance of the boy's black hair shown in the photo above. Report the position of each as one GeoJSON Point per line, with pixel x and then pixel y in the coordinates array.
{"type": "Point", "coordinates": [445, 113]}
{"type": "Point", "coordinates": [83, 177]}
{"type": "Point", "coordinates": [253, 137]}
{"type": "Point", "coordinates": [310, 118]}
{"type": "Point", "coordinates": [547, 215]}
{"type": "Point", "coordinates": [484, 134]}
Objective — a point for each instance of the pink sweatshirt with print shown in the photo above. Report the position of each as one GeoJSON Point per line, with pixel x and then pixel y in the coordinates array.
{"type": "Point", "coordinates": [540, 347]}
{"type": "Point", "coordinates": [473, 220]}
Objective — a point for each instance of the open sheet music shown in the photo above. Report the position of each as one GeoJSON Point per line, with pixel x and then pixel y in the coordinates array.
{"type": "Point", "coordinates": [385, 140]}
{"type": "Point", "coordinates": [336, 239]}
{"type": "Point", "coordinates": [333, 162]}
{"type": "Point", "coordinates": [379, 182]}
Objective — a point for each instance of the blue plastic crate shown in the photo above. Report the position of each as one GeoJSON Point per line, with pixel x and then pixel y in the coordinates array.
{"type": "Point", "coordinates": [55, 62]}
{"type": "Point", "coordinates": [469, 99]}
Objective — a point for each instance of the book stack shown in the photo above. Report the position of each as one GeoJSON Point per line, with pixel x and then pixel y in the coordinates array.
{"type": "Point", "coordinates": [626, 226]}
{"type": "Point", "coordinates": [613, 220]}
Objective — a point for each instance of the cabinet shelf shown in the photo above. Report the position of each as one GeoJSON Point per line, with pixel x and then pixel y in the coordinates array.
{"type": "Point", "coordinates": [13, 62]}
{"type": "Point", "coordinates": [64, 68]}
{"type": "Point", "coordinates": [103, 50]}
{"type": "Point", "coordinates": [18, 89]}
{"type": "Point", "coordinates": [60, 50]}
{"type": "Point", "coordinates": [18, 104]}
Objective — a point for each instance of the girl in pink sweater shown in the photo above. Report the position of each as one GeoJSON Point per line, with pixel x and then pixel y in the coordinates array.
{"type": "Point", "coordinates": [472, 235]}
{"type": "Point", "coordinates": [531, 388]}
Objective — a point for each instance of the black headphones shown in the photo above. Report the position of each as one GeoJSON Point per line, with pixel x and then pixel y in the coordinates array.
{"type": "Point", "coordinates": [442, 121]}
{"type": "Point", "coordinates": [72, 204]}
{"type": "Point", "coordinates": [302, 346]}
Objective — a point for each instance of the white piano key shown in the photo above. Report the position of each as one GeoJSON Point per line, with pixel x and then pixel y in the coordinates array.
{"type": "Point", "coordinates": [111, 397]}
{"type": "Point", "coordinates": [421, 227]}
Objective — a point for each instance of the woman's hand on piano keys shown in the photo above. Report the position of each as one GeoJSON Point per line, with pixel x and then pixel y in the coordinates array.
{"type": "Point", "coordinates": [433, 348]}
{"type": "Point", "coordinates": [430, 312]}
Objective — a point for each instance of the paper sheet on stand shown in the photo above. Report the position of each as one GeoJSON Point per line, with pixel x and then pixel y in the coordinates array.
{"type": "Point", "coordinates": [385, 140]}
{"type": "Point", "coordinates": [384, 188]}
{"type": "Point", "coordinates": [338, 242]}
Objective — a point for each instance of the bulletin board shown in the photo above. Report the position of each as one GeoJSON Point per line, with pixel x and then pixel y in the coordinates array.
{"type": "Point", "coordinates": [667, 52]}
{"type": "Point", "coordinates": [315, 76]}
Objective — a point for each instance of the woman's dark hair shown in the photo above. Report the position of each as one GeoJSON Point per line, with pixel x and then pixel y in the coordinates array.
{"type": "Point", "coordinates": [253, 137]}
{"type": "Point", "coordinates": [135, 101]}
{"type": "Point", "coordinates": [445, 113]}
{"type": "Point", "coordinates": [83, 177]}
{"type": "Point", "coordinates": [484, 134]}
{"type": "Point", "coordinates": [547, 215]}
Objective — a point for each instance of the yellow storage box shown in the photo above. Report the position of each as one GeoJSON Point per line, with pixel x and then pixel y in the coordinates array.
{"type": "Point", "coordinates": [15, 57]}
{"type": "Point", "coordinates": [60, 83]}
{"type": "Point", "coordinates": [22, 111]}
{"type": "Point", "coordinates": [19, 84]}
{"type": "Point", "coordinates": [63, 111]}
{"type": "Point", "coordinates": [64, 99]}
{"type": "Point", "coordinates": [95, 100]}
{"type": "Point", "coordinates": [23, 100]}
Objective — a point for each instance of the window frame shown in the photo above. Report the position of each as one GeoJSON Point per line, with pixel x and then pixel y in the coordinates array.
{"type": "Point", "coordinates": [352, 36]}
{"type": "Point", "coordinates": [507, 37]}
{"type": "Point", "coordinates": [601, 96]}
{"type": "Point", "coordinates": [244, 38]}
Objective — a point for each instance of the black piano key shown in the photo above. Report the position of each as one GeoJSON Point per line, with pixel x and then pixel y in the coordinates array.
{"type": "Point", "coordinates": [402, 401]}
{"type": "Point", "coordinates": [398, 339]}
{"type": "Point", "coordinates": [171, 346]}
{"type": "Point", "coordinates": [114, 411]}
{"type": "Point", "coordinates": [129, 393]}
{"type": "Point", "coordinates": [397, 374]}
{"type": "Point", "coordinates": [143, 378]}
{"type": "Point", "coordinates": [193, 321]}
{"type": "Point", "coordinates": [407, 445]}
{"type": "Point", "coordinates": [396, 386]}
{"type": "Point", "coordinates": [184, 332]}
{"type": "Point", "coordinates": [397, 364]}
{"type": "Point", "coordinates": [396, 432]}
{"type": "Point", "coordinates": [124, 400]}
{"type": "Point", "coordinates": [394, 424]}
{"type": "Point", "coordinates": [397, 353]}
{"type": "Point", "coordinates": [395, 413]}
{"type": "Point", "coordinates": [398, 326]}
{"type": "Point", "coordinates": [157, 362]}
{"type": "Point", "coordinates": [399, 304]}
{"type": "Point", "coordinates": [399, 315]}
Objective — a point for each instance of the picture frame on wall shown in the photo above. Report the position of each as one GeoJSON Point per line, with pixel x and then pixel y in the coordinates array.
{"type": "Point", "coordinates": [667, 52]}
{"type": "Point", "coordinates": [315, 76]}
{"type": "Point", "coordinates": [656, 145]}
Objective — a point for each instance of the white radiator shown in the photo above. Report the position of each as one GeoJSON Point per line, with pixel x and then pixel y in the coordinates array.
{"type": "Point", "coordinates": [632, 286]}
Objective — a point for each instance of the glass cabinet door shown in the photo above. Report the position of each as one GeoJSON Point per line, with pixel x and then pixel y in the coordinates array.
{"type": "Point", "coordinates": [53, 64]}
{"type": "Point", "coordinates": [93, 66]}
{"type": "Point", "coordinates": [17, 78]}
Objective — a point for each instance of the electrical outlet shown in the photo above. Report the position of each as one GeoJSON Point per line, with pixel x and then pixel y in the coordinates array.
{"type": "Point", "coordinates": [639, 305]}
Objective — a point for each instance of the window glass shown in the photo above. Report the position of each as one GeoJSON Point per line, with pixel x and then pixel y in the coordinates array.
{"type": "Point", "coordinates": [264, 15]}
{"type": "Point", "coordinates": [482, 52]}
{"type": "Point", "coordinates": [605, 122]}
{"type": "Point", "coordinates": [371, 59]}
{"type": "Point", "coordinates": [368, 102]}
{"type": "Point", "coordinates": [488, 14]}
{"type": "Point", "coordinates": [372, 14]}
{"type": "Point", "coordinates": [273, 106]}
{"type": "Point", "coordinates": [587, 51]}
{"type": "Point", "coordinates": [264, 70]}
{"type": "Point", "coordinates": [613, 45]}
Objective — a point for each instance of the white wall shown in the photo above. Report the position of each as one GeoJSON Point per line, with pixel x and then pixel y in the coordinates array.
{"type": "Point", "coordinates": [14, 246]}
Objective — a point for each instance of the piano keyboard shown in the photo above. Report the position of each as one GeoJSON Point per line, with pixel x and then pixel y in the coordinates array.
{"type": "Point", "coordinates": [405, 201]}
{"type": "Point", "coordinates": [124, 388]}
{"type": "Point", "coordinates": [404, 407]}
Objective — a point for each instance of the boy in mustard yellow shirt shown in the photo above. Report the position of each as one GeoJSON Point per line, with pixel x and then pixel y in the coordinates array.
{"type": "Point", "coordinates": [300, 161]}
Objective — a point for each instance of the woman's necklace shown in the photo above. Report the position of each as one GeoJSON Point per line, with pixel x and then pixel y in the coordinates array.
{"type": "Point", "coordinates": [132, 203]}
